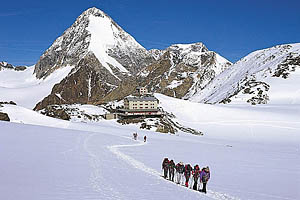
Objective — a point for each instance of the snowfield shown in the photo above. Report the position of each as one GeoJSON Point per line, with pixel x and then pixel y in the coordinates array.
{"type": "Point", "coordinates": [253, 153]}
{"type": "Point", "coordinates": [25, 89]}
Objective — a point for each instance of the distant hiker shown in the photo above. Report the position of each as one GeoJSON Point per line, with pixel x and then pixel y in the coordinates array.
{"type": "Point", "coordinates": [171, 170]}
{"type": "Point", "coordinates": [165, 167]}
{"type": "Point", "coordinates": [196, 174]}
{"type": "Point", "coordinates": [187, 174]}
{"type": "Point", "coordinates": [135, 135]}
{"type": "Point", "coordinates": [179, 172]}
{"type": "Point", "coordinates": [145, 138]}
{"type": "Point", "coordinates": [204, 177]}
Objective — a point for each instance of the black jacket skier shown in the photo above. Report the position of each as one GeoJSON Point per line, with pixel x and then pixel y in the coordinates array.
{"type": "Point", "coordinates": [171, 170]}
{"type": "Point", "coordinates": [165, 167]}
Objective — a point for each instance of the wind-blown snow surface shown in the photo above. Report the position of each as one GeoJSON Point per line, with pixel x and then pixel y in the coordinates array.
{"type": "Point", "coordinates": [253, 153]}
{"type": "Point", "coordinates": [25, 89]}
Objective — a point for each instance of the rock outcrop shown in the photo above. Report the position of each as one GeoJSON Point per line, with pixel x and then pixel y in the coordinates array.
{"type": "Point", "coordinates": [4, 117]}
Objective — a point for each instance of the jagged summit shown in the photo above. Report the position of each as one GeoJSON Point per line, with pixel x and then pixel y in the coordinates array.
{"type": "Point", "coordinates": [193, 46]}
{"type": "Point", "coordinates": [93, 11]}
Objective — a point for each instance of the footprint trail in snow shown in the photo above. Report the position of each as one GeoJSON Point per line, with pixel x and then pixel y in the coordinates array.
{"type": "Point", "coordinates": [141, 166]}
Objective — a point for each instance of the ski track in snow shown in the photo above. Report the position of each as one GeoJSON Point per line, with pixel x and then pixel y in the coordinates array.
{"type": "Point", "coordinates": [141, 166]}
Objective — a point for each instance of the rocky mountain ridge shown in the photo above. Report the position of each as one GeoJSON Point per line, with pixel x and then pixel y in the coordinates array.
{"type": "Point", "coordinates": [183, 69]}
{"type": "Point", "coordinates": [5, 65]}
{"type": "Point", "coordinates": [256, 78]}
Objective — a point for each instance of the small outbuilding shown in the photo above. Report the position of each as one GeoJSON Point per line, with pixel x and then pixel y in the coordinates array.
{"type": "Point", "coordinates": [141, 91]}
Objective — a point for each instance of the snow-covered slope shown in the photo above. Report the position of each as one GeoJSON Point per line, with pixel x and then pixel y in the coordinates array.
{"type": "Point", "coordinates": [24, 88]}
{"type": "Point", "coordinates": [261, 124]}
{"type": "Point", "coordinates": [268, 75]}
{"type": "Point", "coordinates": [251, 152]}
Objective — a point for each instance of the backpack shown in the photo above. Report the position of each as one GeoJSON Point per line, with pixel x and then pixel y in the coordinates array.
{"type": "Point", "coordinates": [165, 163]}
{"type": "Point", "coordinates": [187, 169]}
{"type": "Point", "coordinates": [196, 171]}
{"type": "Point", "coordinates": [179, 168]}
{"type": "Point", "coordinates": [205, 177]}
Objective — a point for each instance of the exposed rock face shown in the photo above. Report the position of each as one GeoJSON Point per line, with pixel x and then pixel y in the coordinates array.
{"type": "Point", "coordinates": [20, 68]}
{"type": "Point", "coordinates": [252, 78]}
{"type": "Point", "coordinates": [287, 67]}
{"type": "Point", "coordinates": [5, 65]}
{"type": "Point", "coordinates": [4, 117]}
{"type": "Point", "coordinates": [58, 113]}
{"type": "Point", "coordinates": [68, 49]}
{"type": "Point", "coordinates": [184, 69]}
{"type": "Point", "coordinates": [10, 102]}
{"type": "Point", "coordinates": [163, 125]}
{"type": "Point", "coordinates": [180, 71]}
{"type": "Point", "coordinates": [72, 112]}
{"type": "Point", "coordinates": [86, 83]}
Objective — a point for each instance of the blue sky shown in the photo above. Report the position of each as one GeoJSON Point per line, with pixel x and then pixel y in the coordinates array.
{"type": "Point", "coordinates": [232, 28]}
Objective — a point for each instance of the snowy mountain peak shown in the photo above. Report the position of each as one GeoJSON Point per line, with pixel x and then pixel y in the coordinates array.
{"type": "Point", "coordinates": [94, 11]}
{"type": "Point", "coordinates": [99, 52]}
{"type": "Point", "coordinates": [95, 32]}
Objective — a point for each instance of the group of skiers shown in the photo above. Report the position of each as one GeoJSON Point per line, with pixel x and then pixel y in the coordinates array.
{"type": "Point", "coordinates": [183, 173]}
{"type": "Point", "coordinates": [135, 136]}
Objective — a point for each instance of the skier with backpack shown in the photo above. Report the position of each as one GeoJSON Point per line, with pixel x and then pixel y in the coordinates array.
{"type": "Point", "coordinates": [171, 170]}
{"type": "Point", "coordinates": [187, 174]}
{"type": "Point", "coordinates": [204, 177]}
{"type": "Point", "coordinates": [196, 174]}
{"type": "Point", "coordinates": [165, 167]}
{"type": "Point", "coordinates": [179, 172]}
